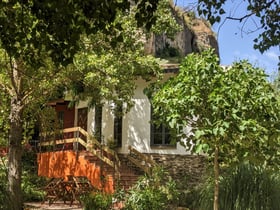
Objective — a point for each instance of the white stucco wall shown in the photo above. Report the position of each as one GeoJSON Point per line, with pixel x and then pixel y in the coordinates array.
{"type": "Point", "coordinates": [135, 127]}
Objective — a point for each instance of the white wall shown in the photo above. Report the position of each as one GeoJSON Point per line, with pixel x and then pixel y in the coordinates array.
{"type": "Point", "coordinates": [136, 125]}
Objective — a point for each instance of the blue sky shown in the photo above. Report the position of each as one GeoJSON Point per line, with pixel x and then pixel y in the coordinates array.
{"type": "Point", "coordinates": [236, 43]}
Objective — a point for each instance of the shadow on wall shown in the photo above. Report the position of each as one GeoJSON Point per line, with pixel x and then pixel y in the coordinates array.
{"type": "Point", "coordinates": [62, 164]}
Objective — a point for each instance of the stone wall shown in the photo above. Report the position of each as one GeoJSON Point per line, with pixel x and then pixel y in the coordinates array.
{"type": "Point", "coordinates": [187, 170]}
{"type": "Point", "coordinates": [183, 168]}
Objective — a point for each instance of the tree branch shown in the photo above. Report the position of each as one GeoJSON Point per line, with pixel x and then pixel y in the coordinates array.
{"type": "Point", "coordinates": [256, 9]}
{"type": "Point", "coordinates": [241, 18]}
{"type": "Point", "coordinates": [12, 76]}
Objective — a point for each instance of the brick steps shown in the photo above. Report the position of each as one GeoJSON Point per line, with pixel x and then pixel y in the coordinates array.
{"type": "Point", "coordinates": [129, 174]}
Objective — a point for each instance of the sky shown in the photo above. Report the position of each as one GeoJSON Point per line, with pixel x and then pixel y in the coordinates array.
{"type": "Point", "coordinates": [235, 43]}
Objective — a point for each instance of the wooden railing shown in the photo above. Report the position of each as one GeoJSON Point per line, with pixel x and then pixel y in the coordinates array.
{"type": "Point", "coordinates": [76, 136]}
{"type": "Point", "coordinates": [143, 161]}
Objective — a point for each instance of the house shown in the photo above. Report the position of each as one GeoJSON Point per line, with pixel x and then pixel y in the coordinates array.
{"type": "Point", "coordinates": [127, 146]}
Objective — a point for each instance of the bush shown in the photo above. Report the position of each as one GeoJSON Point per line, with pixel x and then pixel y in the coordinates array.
{"type": "Point", "coordinates": [96, 200]}
{"type": "Point", "coordinates": [245, 187]}
{"type": "Point", "coordinates": [3, 183]}
{"type": "Point", "coordinates": [31, 184]}
{"type": "Point", "coordinates": [152, 193]}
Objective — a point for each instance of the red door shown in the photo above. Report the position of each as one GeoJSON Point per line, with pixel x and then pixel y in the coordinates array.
{"type": "Point", "coordinates": [66, 116]}
{"type": "Point", "coordinates": [82, 121]}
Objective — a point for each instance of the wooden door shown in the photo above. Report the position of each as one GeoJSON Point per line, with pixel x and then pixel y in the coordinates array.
{"type": "Point", "coordinates": [65, 114]}
{"type": "Point", "coordinates": [83, 118]}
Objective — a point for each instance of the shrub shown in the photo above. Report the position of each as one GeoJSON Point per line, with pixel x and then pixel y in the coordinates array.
{"type": "Point", "coordinates": [31, 184]}
{"type": "Point", "coordinates": [152, 193]}
{"type": "Point", "coordinates": [96, 200]}
{"type": "Point", "coordinates": [3, 183]}
{"type": "Point", "coordinates": [245, 187]}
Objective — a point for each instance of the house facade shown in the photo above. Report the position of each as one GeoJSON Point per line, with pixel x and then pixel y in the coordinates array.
{"type": "Point", "coordinates": [132, 129]}
{"type": "Point", "coordinates": [74, 152]}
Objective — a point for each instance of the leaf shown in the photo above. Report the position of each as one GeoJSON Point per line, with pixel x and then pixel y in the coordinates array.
{"type": "Point", "coordinates": [172, 123]}
{"type": "Point", "coordinates": [198, 148]}
{"type": "Point", "coordinates": [222, 11]}
{"type": "Point", "coordinates": [199, 133]}
{"type": "Point", "coordinates": [234, 109]}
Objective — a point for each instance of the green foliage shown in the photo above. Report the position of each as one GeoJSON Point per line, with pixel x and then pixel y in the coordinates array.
{"type": "Point", "coordinates": [29, 27]}
{"type": "Point", "coordinates": [105, 73]}
{"type": "Point", "coordinates": [235, 108]}
{"type": "Point", "coordinates": [38, 39]}
{"type": "Point", "coordinates": [31, 183]}
{"type": "Point", "coordinates": [155, 192]}
{"type": "Point", "coordinates": [244, 187]}
{"type": "Point", "coordinates": [168, 52]}
{"type": "Point", "coordinates": [276, 84]}
{"type": "Point", "coordinates": [233, 113]}
{"type": "Point", "coordinates": [165, 21]}
{"type": "Point", "coordinates": [4, 103]}
{"type": "Point", "coordinates": [3, 183]}
{"type": "Point", "coordinates": [4, 125]}
{"type": "Point", "coordinates": [97, 200]}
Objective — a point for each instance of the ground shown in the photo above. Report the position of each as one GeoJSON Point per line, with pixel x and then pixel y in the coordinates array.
{"type": "Point", "coordinates": [55, 206]}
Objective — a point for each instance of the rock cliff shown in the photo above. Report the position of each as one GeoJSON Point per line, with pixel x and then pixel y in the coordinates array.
{"type": "Point", "coordinates": [195, 36]}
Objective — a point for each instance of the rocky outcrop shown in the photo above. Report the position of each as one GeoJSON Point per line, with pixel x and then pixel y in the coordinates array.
{"type": "Point", "coordinates": [195, 35]}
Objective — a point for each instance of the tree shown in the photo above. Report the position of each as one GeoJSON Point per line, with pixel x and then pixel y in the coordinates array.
{"type": "Point", "coordinates": [25, 88]}
{"type": "Point", "coordinates": [233, 112]}
{"type": "Point", "coordinates": [102, 72]}
{"type": "Point", "coordinates": [265, 15]}
{"type": "Point", "coordinates": [37, 40]}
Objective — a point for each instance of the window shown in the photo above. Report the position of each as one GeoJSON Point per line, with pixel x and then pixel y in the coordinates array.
{"type": "Point", "coordinates": [118, 131]}
{"type": "Point", "coordinates": [118, 127]}
{"type": "Point", "coordinates": [60, 116]}
{"type": "Point", "coordinates": [160, 134]}
{"type": "Point", "coordinates": [98, 122]}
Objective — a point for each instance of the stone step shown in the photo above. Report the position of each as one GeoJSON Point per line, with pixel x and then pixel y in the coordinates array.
{"type": "Point", "coordinates": [129, 174]}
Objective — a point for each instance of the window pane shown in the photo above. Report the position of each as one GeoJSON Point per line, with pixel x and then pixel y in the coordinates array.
{"type": "Point", "coordinates": [160, 134]}
{"type": "Point", "coordinates": [118, 130]}
{"type": "Point", "coordinates": [98, 122]}
{"type": "Point", "coordinates": [118, 126]}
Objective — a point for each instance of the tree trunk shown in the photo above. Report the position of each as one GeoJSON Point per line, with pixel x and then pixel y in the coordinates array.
{"type": "Point", "coordinates": [15, 155]}
{"type": "Point", "coordinates": [217, 174]}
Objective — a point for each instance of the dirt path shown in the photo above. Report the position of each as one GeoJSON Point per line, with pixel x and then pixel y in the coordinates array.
{"type": "Point", "coordinates": [55, 206]}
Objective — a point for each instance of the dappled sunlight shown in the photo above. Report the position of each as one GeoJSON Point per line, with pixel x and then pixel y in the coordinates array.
{"type": "Point", "coordinates": [62, 164]}
{"type": "Point", "coordinates": [138, 126]}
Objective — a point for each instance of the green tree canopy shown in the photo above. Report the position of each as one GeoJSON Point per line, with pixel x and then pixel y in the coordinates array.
{"type": "Point", "coordinates": [102, 72]}
{"type": "Point", "coordinates": [40, 39]}
{"type": "Point", "coordinates": [29, 27]}
{"type": "Point", "coordinates": [233, 112]}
